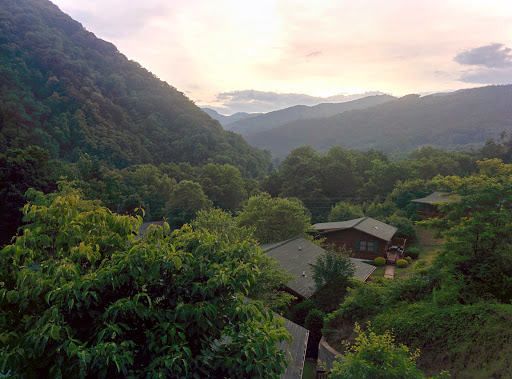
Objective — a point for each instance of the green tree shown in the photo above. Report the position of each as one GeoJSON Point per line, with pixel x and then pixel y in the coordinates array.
{"type": "Point", "coordinates": [81, 297]}
{"type": "Point", "coordinates": [272, 278]}
{"type": "Point", "coordinates": [375, 356]}
{"type": "Point", "coordinates": [332, 273]}
{"type": "Point", "coordinates": [344, 210]}
{"type": "Point", "coordinates": [478, 232]}
{"type": "Point", "coordinates": [223, 184]}
{"type": "Point", "coordinates": [186, 200]}
{"type": "Point", "coordinates": [21, 169]}
{"type": "Point", "coordinates": [274, 219]}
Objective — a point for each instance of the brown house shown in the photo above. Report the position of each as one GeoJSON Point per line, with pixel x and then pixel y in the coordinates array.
{"type": "Point", "coordinates": [366, 237]}
{"type": "Point", "coordinates": [295, 257]}
{"type": "Point", "coordinates": [427, 207]}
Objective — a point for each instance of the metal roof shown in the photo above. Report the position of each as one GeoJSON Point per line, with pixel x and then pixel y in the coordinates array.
{"type": "Point", "coordinates": [436, 197]}
{"type": "Point", "coordinates": [367, 225]}
{"type": "Point", "coordinates": [296, 255]}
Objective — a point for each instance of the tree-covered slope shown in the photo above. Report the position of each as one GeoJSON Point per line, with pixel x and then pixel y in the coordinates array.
{"type": "Point", "coordinates": [459, 119]}
{"type": "Point", "coordinates": [281, 117]}
{"type": "Point", "coordinates": [65, 90]}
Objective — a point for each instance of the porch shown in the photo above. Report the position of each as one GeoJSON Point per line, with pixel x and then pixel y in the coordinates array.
{"type": "Point", "coordinates": [395, 250]}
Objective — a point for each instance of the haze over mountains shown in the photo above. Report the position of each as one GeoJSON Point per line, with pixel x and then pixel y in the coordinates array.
{"type": "Point", "coordinates": [226, 120]}
{"type": "Point", "coordinates": [281, 117]}
{"type": "Point", "coordinates": [455, 120]}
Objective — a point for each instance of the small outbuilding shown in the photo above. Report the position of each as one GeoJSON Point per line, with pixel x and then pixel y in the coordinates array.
{"type": "Point", "coordinates": [427, 207]}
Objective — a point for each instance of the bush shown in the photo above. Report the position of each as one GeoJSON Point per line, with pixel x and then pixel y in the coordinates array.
{"type": "Point", "coordinates": [376, 356]}
{"type": "Point", "coordinates": [413, 252]}
{"type": "Point", "coordinates": [301, 310]}
{"type": "Point", "coordinates": [420, 263]}
{"type": "Point", "coordinates": [402, 263]}
{"type": "Point", "coordinates": [315, 321]}
{"type": "Point", "coordinates": [408, 259]}
{"type": "Point", "coordinates": [379, 261]}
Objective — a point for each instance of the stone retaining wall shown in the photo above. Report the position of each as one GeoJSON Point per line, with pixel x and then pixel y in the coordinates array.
{"type": "Point", "coordinates": [326, 354]}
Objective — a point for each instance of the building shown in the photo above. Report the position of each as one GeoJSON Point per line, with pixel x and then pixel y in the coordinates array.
{"type": "Point", "coordinates": [296, 255]}
{"type": "Point", "coordinates": [365, 237]}
{"type": "Point", "coordinates": [296, 353]}
{"type": "Point", "coordinates": [427, 207]}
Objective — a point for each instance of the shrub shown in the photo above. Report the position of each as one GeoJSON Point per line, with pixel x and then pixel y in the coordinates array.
{"type": "Point", "coordinates": [376, 356]}
{"type": "Point", "coordinates": [413, 252]}
{"type": "Point", "coordinates": [379, 261]}
{"type": "Point", "coordinates": [301, 310]}
{"type": "Point", "coordinates": [402, 263]}
{"type": "Point", "coordinates": [408, 259]}
{"type": "Point", "coordinates": [420, 263]}
{"type": "Point", "coordinates": [315, 321]}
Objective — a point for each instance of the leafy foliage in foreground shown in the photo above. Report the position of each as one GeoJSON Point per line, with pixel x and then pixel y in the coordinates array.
{"type": "Point", "coordinates": [80, 297]}
{"type": "Point", "coordinates": [374, 356]}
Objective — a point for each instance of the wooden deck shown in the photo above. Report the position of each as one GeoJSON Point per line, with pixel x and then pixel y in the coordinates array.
{"type": "Point", "coordinates": [395, 251]}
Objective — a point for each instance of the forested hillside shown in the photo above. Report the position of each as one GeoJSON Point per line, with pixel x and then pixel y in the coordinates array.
{"type": "Point", "coordinates": [65, 90]}
{"type": "Point", "coordinates": [457, 120]}
{"type": "Point", "coordinates": [281, 117]}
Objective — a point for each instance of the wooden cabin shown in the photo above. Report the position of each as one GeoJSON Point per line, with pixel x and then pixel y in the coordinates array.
{"type": "Point", "coordinates": [365, 237]}
{"type": "Point", "coordinates": [427, 207]}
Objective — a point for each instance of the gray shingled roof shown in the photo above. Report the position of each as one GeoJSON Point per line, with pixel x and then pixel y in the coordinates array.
{"type": "Point", "coordinates": [367, 225]}
{"type": "Point", "coordinates": [362, 270]}
{"type": "Point", "coordinates": [436, 197]}
{"type": "Point", "coordinates": [297, 349]}
{"type": "Point", "coordinates": [323, 226]}
{"type": "Point", "coordinates": [297, 262]}
{"type": "Point", "coordinates": [296, 256]}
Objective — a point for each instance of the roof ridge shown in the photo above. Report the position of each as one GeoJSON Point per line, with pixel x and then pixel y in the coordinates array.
{"type": "Point", "coordinates": [279, 244]}
{"type": "Point", "coordinates": [360, 221]}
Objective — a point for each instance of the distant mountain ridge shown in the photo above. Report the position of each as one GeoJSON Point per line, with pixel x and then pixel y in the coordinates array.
{"type": "Point", "coordinates": [225, 120]}
{"type": "Point", "coordinates": [281, 117]}
{"type": "Point", "coordinates": [457, 120]}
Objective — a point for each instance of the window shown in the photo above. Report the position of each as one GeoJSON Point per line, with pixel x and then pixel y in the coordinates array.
{"type": "Point", "coordinates": [367, 246]}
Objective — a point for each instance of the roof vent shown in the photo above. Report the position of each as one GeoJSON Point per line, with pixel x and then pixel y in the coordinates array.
{"type": "Point", "coordinates": [376, 228]}
{"type": "Point", "coordinates": [300, 248]}
{"type": "Point", "coordinates": [304, 273]}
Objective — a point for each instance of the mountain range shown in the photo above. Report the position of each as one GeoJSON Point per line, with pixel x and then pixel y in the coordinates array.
{"type": "Point", "coordinates": [457, 120]}
{"type": "Point", "coordinates": [226, 120]}
{"type": "Point", "coordinates": [281, 117]}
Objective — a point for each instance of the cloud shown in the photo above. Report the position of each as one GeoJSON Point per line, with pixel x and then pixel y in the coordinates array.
{"type": "Point", "coordinates": [314, 54]}
{"type": "Point", "coordinates": [488, 76]}
{"type": "Point", "coordinates": [495, 55]}
{"type": "Point", "coordinates": [253, 101]}
{"type": "Point", "coordinates": [492, 64]}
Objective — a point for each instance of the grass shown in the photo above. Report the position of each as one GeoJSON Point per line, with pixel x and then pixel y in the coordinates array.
{"type": "Point", "coordinates": [428, 246]}
{"type": "Point", "coordinates": [379, 272]}
{"type": "Point", "coordinates": [309, 369]}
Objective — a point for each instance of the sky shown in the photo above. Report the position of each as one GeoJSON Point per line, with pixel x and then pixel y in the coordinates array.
{"type": "Point", "coordinates": [256, 56]}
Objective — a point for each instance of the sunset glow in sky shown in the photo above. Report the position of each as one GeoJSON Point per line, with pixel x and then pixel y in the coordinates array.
{"type": "Point", "coordinates": [215, 51]}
